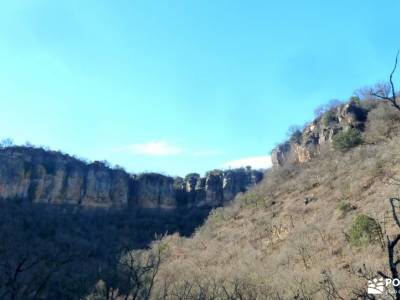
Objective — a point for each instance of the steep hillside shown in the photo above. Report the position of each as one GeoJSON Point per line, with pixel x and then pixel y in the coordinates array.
{"type": "Point", "coordinates": [314, 228]}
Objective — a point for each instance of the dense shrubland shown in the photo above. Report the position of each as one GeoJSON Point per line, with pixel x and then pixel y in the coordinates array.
{"type": "Point", "coordinates": [310, 231]}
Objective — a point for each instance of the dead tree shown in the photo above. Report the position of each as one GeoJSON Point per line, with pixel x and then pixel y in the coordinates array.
{"type": "Point", "coordinates": [134, 275]}
{"type": "Point", "coordinates": [383, 93]}
{"type": "Point", "coordinates": [391, 245]}
{"type": "Point", "coordinates": [141, 270]}
{"type": "Point", "coordinates": [28, 276]}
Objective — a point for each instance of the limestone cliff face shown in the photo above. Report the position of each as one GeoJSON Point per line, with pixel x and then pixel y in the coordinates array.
{"type": "Point", "coordinates": [216, 188]}
{"type": "Point", "coordinates": [36, 175]}
{"type": "Point", "coordinates": [153, 191]}
{"type": "Point", "coordinates": [44, 176]}
{"type": "Point", "coordinates": [321, 131]}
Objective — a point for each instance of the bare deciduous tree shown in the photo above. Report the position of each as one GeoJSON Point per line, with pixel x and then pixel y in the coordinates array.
{"type": "Point", "coordinates": [328, 286]}
{"type": "Point", "coordinates": [134, 276]}
{"type": "Point", "coordinates": [7, 142]}
{"type": "Point", "coordinates": [391, 245]}
{"type": "Point", "coordinates": [387, 91]}
{"type": "Point", "coordinates": [28, 275]}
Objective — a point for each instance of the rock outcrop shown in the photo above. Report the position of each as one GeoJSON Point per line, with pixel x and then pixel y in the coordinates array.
{"type": "Point", "coordinates": [307, 144]}
{"type": "Point", "coordinates": [153, 190]}
{"type": "Point", "coordinates": [40, 176]}
{"type": "Point", "coordinates": [216, 188]}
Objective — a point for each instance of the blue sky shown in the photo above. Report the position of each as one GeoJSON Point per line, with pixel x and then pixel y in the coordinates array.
{"type": "Point", "coordinates": [181, 86]}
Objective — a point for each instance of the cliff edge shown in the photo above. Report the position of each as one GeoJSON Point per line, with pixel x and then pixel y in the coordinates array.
{"type": "Point", "coordinates": [40, 176]}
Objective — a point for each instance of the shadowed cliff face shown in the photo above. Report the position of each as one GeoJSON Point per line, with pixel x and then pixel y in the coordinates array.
{"type": "Point", "coordinates": [40, 176]}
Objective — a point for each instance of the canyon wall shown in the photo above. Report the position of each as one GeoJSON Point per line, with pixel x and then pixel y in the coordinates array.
{"type": "Point", "coordinates": [40, 176]}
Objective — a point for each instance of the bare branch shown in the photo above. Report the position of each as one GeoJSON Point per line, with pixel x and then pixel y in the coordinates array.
{"type": "Point", "coordinates": [393, 259]}
{"type": "Point", "coordinates": [381, 97]}
{"type": "Point", "coordinates": [383, 92]}
{"type": "Point", "coordinates": [394, 214]}
{"type": "Point", "coordinates": [391, 79]}
{"type": "Point", "coordinates": [383, 274]}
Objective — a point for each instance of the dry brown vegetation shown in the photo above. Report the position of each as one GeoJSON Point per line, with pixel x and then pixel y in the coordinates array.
{"type": "Point", "coordinates": [288, 238]}
{"type": "Point", "coordinates": [317, 230]}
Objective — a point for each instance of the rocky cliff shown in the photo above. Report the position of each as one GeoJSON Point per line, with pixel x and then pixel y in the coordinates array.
{"type": "Point", "coordinates": [303, 146]}
{"type": "Point", "coordinates": [36, 175]}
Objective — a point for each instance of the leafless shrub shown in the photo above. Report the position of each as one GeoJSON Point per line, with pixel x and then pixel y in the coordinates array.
{"type": "Point", "coordinates": [383, 123]}
{"type": "Point", "coordinates": [134, 277]}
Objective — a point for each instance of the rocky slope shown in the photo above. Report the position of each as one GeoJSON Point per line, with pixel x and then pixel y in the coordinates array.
{"type": "Point", "coordinates": [37, 175]}
{"type": "Point", "coordinates": [297, 234]}
{"type": "Point", "coordinates": [307, 144]}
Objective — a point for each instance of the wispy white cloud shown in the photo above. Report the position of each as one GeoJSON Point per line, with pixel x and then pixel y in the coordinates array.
{"type": "Point", "coordinates": [256, 162]}
{"type": "Point", "coordinates": [153, 148]}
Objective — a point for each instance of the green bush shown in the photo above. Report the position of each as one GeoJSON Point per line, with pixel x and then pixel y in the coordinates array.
{"type": "Point", "coordinates": [364, 230]}
{"type": "Point", "coordinates": [296, 137]}
{"type": "Point", "coordinates": [356, 100]}
{"type": "Point", "coordinates": [328, 117]}
{"type": "Point", "coordinates": [348, 139]}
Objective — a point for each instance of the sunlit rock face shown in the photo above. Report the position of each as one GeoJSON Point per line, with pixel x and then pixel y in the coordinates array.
{"type": "Point", "coordinates": [37, 175]}
{"type": "Point", "coordinates": [40, 176]}
{"type": "Point", "coordinates": [319, 132]}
